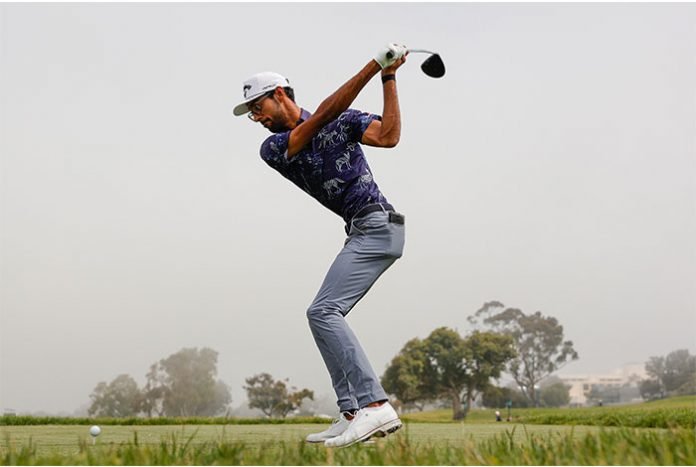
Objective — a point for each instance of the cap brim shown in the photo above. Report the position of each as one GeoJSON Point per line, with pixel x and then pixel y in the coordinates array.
{"type": "Point", "coordinates": [242, 108]}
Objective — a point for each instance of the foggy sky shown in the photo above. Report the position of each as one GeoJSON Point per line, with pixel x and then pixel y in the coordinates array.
{"type": "Point", "coordinates": [552, 169]}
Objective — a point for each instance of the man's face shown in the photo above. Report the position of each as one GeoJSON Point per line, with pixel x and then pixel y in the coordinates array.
{"type": "Point", "coordinates": [267, 111]}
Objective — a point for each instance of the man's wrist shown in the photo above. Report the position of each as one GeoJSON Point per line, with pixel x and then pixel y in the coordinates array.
{"type": "Point", "coordinates": [388, 77]}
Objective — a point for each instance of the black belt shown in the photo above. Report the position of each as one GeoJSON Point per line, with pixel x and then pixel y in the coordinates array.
{"type": "Point", "coordinates": [393, 215]}
{"type": "Point", "coordinates": [373, 208]}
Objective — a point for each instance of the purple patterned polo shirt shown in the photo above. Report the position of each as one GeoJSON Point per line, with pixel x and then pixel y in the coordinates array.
{"type": "Point", "coordinates": [332, 168]}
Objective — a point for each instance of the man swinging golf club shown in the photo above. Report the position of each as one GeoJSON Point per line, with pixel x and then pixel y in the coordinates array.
{"type": "Point", "coordinates": [321, 153]}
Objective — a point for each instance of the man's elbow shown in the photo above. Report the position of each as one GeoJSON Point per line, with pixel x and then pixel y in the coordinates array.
{"type": "Point", "coordinates": [390, 141]}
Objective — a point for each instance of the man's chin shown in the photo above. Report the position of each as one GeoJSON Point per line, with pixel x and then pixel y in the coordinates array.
{"type": "Point", "coordinates": [274, 128]}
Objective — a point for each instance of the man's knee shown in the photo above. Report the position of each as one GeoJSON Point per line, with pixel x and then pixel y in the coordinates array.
{"type": "Point", "coordinates": [323, 311]}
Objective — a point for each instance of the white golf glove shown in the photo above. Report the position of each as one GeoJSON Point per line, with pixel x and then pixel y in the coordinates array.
{"type": "Point", "coordinates": [389, 54]}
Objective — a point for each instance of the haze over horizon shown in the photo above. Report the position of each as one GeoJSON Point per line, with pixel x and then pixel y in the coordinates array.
{"type": "Point", "coordinates": [553, 169]}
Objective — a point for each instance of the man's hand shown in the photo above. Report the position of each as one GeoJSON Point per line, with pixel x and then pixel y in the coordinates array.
{"type": "Point", "coordinates": [389, 54]}
{"type": "Point", "coordinates": [391, 69]}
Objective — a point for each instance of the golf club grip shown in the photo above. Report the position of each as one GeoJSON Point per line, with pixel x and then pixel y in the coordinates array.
{"type": "Point", "coordinates": [390, 55]}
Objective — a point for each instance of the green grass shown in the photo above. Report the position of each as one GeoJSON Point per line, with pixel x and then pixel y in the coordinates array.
{"type": "Point", "coordinates": [654, 433]}
{"type": "Point", "coordinates": [417, 444]}
{"type": "Point", "coordinates": [30, 420]}
{"type": "Point", "coordinates": [66, 438]}
{"type": "Point", "coordinates": [678, 412]}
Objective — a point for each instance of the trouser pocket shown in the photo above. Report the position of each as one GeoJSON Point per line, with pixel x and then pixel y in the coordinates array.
{"type": "Point", "coordinates": [378, 234]}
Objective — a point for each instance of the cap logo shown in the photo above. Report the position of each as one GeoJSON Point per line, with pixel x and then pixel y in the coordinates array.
{"type": "Point", "coordinates": [246, 88]}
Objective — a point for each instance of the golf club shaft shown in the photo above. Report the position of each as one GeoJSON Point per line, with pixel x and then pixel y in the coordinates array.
{"type": "Point", "coordinates": [421, 51]}
{"type": "Point", "coordinates": [416, 51]}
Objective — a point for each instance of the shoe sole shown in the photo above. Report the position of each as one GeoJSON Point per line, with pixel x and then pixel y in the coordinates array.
{"type": "Point", "coordinates": [365, 441]}
{"type": "Point", "coordinates": [379, 432]}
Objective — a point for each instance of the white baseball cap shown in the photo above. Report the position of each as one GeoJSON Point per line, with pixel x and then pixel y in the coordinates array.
{"type": "Point", "coordinates": [257, 86]}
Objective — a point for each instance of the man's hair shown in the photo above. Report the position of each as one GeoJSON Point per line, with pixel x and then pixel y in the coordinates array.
{"type": "Point", "coordinates": [290, 93]}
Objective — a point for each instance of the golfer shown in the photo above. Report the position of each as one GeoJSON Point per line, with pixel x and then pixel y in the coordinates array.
{"type": "Point", "coordinates": [321, 153]}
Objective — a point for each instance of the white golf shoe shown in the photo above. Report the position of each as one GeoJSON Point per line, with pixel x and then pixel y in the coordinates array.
{"type": "Point", "coordinates": [337, 428]}
{"type": "Point", "coordinates": [368, 422]}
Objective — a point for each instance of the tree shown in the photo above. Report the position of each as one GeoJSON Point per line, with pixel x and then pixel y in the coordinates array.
{"type": "Point", "coordinates": [404, 377]}
{"type": "Point", "coordinates": [445, 373]}
{"type": "Point", "coordinates": [555, 395]}
{"type": "Point", "coordinates": [680, 368]}
{"type": "Point", "coordinates": [688, 388]}
{"type": "Point", "coordinates": [120, 398]}
{"type": "Point", "coordinates": [538, 340]}
{"type": "Point", "coordinates": [651, 389]}
{"type": "Point", "coordinates": [154, 392]}
{"type": "Point", "coordinates": [184, 385]}
{"type": "Point", "coordinates": [272, 397]}
{"type": "Point", "coordinates": [604, 394]}
{"type": "Point", "coordinates": [654, 387]}
{"type": "Point", "coordinates": [495, 397]}
{"type": "Point", "coordinates": [554, 392]}
{"type": "Point", "coordinates": [673, 374]}
{"type": "Point", "coordinates": [457, 368]}
{"type": "Point", "coordinates": [485, 358]}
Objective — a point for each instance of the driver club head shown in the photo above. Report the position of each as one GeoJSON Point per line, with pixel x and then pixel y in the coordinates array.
{"type": "Point", "coordinates": [433, 66]}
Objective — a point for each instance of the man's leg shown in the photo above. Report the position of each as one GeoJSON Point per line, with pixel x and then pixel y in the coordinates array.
{"type": "Point", "coordinates": [373, 245]}
{"type": "Point", "coordinates": [344, 392]}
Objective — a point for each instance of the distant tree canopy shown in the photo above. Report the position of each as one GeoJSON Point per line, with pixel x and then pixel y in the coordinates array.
{"type": "Point", "coordinates": [604, 394]}
{"type": "Point", "coordinates": [405, 376]}
{"type": "Point", "coordinates": [180, 385]}
{"type": "Point", "coordinates": [184, 385]}
{"type": "Point", "coordinates": [555, 395]}
{"type": "Point", "coordinates": [120, 398]}
{"type": "Point", "coordinates": [674, 374]}
{"type": "Point", "coordinates": [446, 365]}
{"type": "Point", "coordinates": [495, 397]}
{"type": "Point", "coordinates": [272, 397]}
{"type": "Point", "coordinates": [537, 339]}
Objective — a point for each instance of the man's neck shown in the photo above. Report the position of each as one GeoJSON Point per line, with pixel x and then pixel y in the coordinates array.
{"type": "Point", "coordinates": [294, 114]}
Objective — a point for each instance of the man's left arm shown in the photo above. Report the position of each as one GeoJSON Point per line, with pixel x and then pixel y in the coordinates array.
{"type": "Point", "coordinates": [387, 132]}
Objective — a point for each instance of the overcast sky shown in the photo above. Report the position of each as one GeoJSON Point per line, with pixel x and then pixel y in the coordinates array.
{"type": "Point", "coordinates": [553, 169]}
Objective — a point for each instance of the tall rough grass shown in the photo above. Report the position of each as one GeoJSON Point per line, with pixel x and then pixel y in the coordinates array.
{"type": "Point", "coordinates": [610, 447]}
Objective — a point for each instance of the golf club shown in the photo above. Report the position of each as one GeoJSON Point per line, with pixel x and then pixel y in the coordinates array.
{"type": "Point", "coordinates": [433, 66]}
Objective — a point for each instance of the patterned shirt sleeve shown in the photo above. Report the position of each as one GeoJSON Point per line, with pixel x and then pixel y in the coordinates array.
{"type": "Point", "coordinates": [358, 121]}
{"type": "Point", "coordinates": [274, 150]}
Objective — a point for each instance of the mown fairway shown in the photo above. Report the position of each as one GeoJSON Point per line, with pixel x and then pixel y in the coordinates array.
{"type": "Point", "coordinates": [66, 439]}
{"type": "Point", "coordinates": [427, 439]}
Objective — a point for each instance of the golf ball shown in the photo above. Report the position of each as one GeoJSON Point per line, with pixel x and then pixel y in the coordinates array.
{"type": "Point", "coordinates": [94, 430]}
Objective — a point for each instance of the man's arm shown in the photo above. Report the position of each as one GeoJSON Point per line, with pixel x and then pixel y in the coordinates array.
{"type": "Point", "coordinates": [339, 101]}
{"type": "Point", "coordinates": [330, 109]}
{"type": "Point", "coordinates": [386, 133]}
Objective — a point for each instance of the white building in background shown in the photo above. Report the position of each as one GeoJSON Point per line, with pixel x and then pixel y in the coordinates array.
{"type": "Point", "coordinates": [628, 376]}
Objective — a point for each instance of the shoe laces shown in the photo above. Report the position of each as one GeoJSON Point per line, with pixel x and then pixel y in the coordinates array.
{"type": "Point", "coordinates": [360, 414]}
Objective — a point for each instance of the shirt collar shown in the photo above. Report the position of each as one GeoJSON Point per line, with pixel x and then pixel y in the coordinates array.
{"type": "Point", "coordinates": [304, 115]}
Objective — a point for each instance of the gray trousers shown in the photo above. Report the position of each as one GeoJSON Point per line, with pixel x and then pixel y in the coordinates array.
{"type": "Point", "coordinates": [373, 244]}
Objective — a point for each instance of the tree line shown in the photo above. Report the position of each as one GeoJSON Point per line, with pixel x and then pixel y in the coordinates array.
{"type": "Point", "coordinates": [443, 367]}
{"type": "Point", "coordinates": [671, 375]}
{"type": "Point", "coordinates": [184, 384]}
{"type": "Point", "coordinates": [446, 365]}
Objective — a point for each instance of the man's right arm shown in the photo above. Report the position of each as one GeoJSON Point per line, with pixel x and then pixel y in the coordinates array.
{"type": "Point", "coordinates": [330, 108]}
{"type": "Point", "coordinates": [339, 101]}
